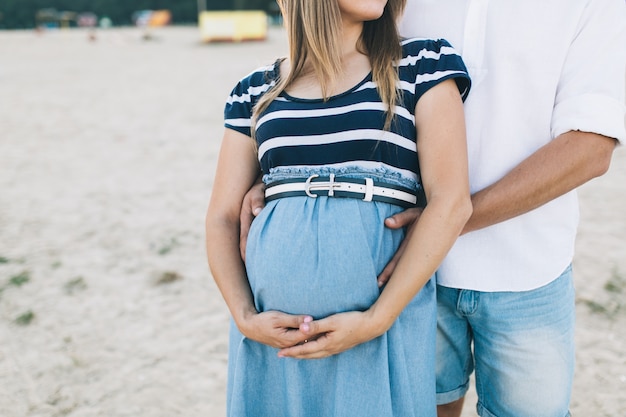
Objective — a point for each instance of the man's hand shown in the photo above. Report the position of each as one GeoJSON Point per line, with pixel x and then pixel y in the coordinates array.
{"type": "Point", "coordinates": [253, 203]}
{"type": "Point", "coordinates": [403, 219]}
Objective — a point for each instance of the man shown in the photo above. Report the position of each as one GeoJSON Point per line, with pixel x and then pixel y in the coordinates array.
{"type": "Point", "coordinates": [544, 115]}
{"type": "Point", "coordinates": [546, 108]}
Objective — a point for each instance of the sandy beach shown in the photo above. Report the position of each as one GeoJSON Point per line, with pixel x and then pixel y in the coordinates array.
{"type": "Point", "coordinates": [107, 307]}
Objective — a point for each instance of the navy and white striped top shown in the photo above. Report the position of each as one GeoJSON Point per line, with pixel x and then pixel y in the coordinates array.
{"type": "Point", "coordinates": [345, 134]}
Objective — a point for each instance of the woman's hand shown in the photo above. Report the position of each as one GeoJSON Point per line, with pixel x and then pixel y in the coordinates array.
{"type": "Point", "coordinates": [334, 334]}
{"type": "Point", "coordinates": [276, 329]}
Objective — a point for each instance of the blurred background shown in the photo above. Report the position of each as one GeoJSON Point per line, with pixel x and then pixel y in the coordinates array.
{"type": "Point", "coordinates": [26, 14]}
{"type": "Point", "coordinates": [111, 117]}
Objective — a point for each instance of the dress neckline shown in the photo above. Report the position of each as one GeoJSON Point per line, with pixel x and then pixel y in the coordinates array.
{"type": "Point", "coordinates": [289, 97]}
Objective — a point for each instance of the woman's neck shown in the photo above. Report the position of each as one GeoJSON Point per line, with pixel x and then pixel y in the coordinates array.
{"type": "Point", "coordinates": [351, 35]}
{"type": "Point", "coordinates": [355, 66]}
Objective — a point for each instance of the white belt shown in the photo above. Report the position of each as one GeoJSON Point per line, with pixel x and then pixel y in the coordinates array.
{"type": "Point", "coordinates": [365, 189]}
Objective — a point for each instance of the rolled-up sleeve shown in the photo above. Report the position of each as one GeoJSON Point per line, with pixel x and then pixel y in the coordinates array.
{"type": "Point", "coordinates": [591, 93]}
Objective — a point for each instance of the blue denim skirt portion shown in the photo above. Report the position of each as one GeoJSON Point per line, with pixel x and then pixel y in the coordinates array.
{"type": "Point", "coordinates": [320, 256]}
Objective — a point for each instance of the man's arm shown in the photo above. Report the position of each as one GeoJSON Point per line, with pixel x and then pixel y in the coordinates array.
{"type": "Point", "coordinates": [557, 168]}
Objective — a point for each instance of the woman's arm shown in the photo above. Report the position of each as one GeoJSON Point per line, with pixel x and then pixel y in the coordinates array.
{"type": "Point", "coordinates": [442, 154]}
{"type": "Point", "coordinates": [237, 170]}
{"type": "Point", "coordinates": [442, 151]}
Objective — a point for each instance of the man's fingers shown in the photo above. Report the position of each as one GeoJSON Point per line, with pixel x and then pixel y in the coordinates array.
{"type": "Point", "coordinates": [245, 220]}
{"type": "Point", "coordinates": [403, 219]}
{"type": "Point", "coordinates": [253, 203]}
{"type": "Point", "coordinates": [384, 276]}
{"type": "Point", "coordinates": [257, 198]}
{"type": "Point", "coordinates": [391, 266]}
{"type": "Point", "coordinates": [243, 241]}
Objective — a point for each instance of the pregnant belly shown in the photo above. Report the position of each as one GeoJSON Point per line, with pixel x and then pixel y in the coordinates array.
{"type": "Point", "coordinates": [318, 256]}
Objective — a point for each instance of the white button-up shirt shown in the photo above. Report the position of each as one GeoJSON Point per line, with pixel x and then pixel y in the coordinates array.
{"type": "Point", "coordinates": [539, 68]}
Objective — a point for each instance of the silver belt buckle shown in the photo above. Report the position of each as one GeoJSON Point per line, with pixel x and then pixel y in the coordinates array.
{"type": "Point", "coordinates": [322, 185]}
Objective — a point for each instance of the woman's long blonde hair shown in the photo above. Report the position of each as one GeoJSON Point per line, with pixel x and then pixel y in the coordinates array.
{"type": "Point", "coordinates": [314, 31]}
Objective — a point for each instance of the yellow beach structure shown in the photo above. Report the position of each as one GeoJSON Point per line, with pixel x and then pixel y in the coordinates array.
{"type": "Point", "coordinates": [233, 26]}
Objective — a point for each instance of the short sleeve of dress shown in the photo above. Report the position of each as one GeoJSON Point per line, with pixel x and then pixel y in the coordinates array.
{"type": "Point", "coordinates": [428, 62]}
{"type": "Point", "coordinates": [242, 98]}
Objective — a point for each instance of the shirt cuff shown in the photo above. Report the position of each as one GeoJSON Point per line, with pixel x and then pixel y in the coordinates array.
{"type": "Point", "coordinates": [592, 113]}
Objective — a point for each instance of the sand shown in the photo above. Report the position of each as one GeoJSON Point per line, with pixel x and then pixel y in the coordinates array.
{"type": "Point", "coordinates": [107, 308]}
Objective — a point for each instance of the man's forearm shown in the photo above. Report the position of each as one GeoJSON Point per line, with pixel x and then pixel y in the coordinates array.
{"type": "Point", "coordinates": [562, 165]}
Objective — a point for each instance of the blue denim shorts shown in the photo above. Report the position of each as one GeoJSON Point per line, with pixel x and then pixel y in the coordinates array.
{"type": "Point", "coordinates": [520, 344]}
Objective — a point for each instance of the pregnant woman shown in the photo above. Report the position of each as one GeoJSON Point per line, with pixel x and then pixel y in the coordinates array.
{"type": "Point", "coordinates": [354, 126]}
